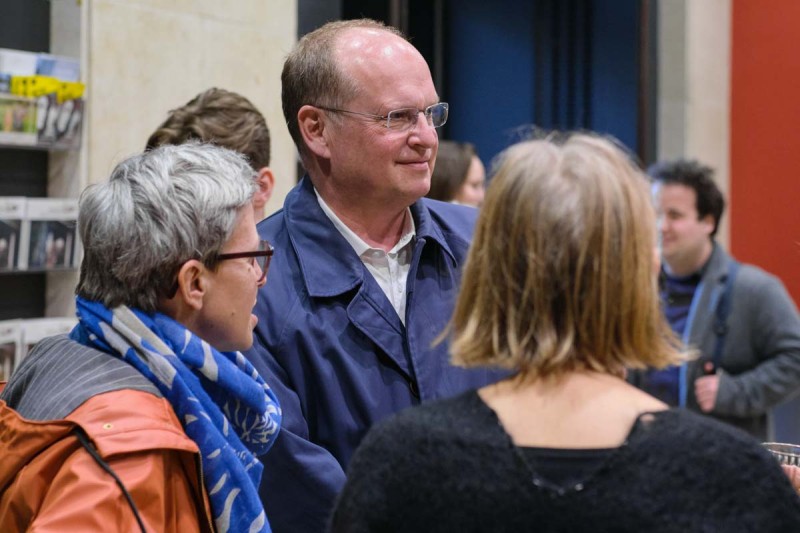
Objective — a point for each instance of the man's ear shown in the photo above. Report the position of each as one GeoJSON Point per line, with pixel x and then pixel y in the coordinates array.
{"type": "Point", "coordinates": [192, 284]}
{"type": "Point", "coordinates": [266, 184]}
{"type": "Point", "coordinates": [708, 223]}
{"type": "Point", "coordinates": [311, 121]}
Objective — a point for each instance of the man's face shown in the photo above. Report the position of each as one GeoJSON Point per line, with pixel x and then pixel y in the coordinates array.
{"type": "Point", "coordinates": [379, 165]}
{"type": "Point", "coordinates": [685, 238]}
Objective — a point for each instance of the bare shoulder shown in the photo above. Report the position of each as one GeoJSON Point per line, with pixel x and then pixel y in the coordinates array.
{"type": "Point", "coordinates": [641, 400]}
{"type": "Point", "coordinates": [578, 410]}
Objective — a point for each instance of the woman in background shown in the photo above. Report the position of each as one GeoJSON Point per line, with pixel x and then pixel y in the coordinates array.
{"type": "Point", "coordinates": [147, 417]}
{"type": "Point", "coordinates": [560, 286]}
{"type": "Point", "coordinates": [458, 175]}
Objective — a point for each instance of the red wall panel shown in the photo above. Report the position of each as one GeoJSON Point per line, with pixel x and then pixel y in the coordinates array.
{"type": "Point", "coordinates": [765, 138]}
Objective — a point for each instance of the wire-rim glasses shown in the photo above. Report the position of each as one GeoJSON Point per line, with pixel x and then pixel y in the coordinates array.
{"type": "Point", "coordinates": [403, 119]}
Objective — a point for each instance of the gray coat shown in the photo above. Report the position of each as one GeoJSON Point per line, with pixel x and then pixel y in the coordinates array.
{"type": "Point", "coordinates": [760, 362]}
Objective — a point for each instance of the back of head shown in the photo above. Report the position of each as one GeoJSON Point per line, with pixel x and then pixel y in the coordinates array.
{"type": "Point", "coordinates": [220, 117]}
{"type": "Point", "coordinates": [696, 176]}
{"type": "Point", "coordinates": [311, 76]}
{"type": "Point", "coordinates": [561, 273]}
{"type": "Point", "coordinates": [452, 164]}
{"type": "Point", "coordinates": [156, 211]}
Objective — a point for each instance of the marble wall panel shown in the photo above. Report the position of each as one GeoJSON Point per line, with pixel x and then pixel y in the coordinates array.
{"type": "Point", "coordinates": [149, 56]}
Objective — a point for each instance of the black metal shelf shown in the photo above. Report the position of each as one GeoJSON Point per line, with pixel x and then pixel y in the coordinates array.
{"type": "Point", "coordinates": [24, 25]}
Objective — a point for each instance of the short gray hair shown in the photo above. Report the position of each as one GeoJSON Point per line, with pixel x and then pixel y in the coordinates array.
{"type": "Point", "coordinates": [158, 210]}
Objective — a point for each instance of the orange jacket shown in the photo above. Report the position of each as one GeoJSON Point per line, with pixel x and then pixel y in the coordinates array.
{"type": "Point", "coordinates": [49, 482]}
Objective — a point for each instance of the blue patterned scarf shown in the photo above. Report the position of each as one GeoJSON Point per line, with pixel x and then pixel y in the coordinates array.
{"type": "Point", "coordinates": [211, 392]}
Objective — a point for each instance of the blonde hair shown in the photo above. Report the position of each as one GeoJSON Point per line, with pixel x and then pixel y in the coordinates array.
{"type": "Point", "coordinates": [561, 273]}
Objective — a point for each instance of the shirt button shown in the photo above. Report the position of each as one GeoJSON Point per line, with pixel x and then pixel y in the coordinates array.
{"type": "Point", "coordinates": [412, 386]}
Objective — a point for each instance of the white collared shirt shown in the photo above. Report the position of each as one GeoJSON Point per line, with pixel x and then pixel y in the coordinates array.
{"type": "Point", "coordinates": [390, 269]}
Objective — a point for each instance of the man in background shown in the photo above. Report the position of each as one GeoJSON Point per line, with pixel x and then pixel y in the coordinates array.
{"type": "Point", "coordinates": [365, 270]}
{"type": "Point", "coordinates": [226, 119]}
{"type": "Point", "coordinates": [741, 319]}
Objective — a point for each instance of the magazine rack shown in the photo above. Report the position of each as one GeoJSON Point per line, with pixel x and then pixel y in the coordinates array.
{"type": "Point", "coordinates": [41, 123]}
{"type": "Point", "coordinates": [41, 160]}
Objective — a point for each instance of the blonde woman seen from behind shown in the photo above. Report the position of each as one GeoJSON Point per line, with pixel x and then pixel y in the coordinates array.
{"type": "Point", "coordinates": [559, 287]}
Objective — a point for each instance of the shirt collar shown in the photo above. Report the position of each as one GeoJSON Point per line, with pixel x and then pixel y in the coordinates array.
{"type": "Point", "coordinates": [328, 264]}
{"type": "Point", "coordinates": [358, 244]}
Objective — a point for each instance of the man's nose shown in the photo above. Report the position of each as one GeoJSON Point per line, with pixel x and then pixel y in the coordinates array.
{"type": "Point", "coordinates": [424, 133]}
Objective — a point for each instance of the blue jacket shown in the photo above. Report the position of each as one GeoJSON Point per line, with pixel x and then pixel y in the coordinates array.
{"type": "Point", "coordinates": [332, 347]}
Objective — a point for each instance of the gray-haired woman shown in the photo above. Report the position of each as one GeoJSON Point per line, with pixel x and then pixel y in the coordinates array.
{"type": "Point", "coordinates": [147, 416]}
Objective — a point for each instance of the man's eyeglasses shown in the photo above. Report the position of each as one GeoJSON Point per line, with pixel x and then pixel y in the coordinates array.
{"type": "Point", "coordinates": [262, 257]}
{"type": "Point", "coordinates": [404, 119]}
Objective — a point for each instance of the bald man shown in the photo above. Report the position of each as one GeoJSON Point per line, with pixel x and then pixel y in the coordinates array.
{"type": "Point", "coordinates": [365, 271]}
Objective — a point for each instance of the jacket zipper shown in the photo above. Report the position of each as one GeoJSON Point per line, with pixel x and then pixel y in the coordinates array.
{"type": "Point", "coordinates": [202, 486]}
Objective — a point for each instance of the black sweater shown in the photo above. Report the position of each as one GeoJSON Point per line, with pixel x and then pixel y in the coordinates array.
{"type": "Point", "coordinates": [450, 466]}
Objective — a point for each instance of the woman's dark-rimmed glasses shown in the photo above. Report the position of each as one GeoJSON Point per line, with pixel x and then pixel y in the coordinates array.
{"type": "Point", "coordinates": [262, 257]}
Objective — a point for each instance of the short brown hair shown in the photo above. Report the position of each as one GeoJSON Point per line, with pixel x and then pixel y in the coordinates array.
{"type": "Point", "coordinates": [450, 172]}
{"type": "Point", "coordinates": [561, 273]}
{"type": "Point", "coordinates": [311, 76]}
{"type": "Point", "coordinates": [221, 117]}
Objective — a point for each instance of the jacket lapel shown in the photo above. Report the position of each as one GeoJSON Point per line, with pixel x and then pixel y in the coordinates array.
{"type": "Point", "coordinates": [330, 268]}
{"type": "Point", "coordinates": [371, 313]}
{"type": "Point", "coordinates": [713, 282]}
{"type": "Point", "coordinates": [328, 264]}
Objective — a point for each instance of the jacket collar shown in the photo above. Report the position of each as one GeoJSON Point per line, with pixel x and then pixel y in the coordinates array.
{"type": "Point", "coordinates": [328, 264]}
{"type": "Point", "coordinates": [715, 273]}
{"type": "Point", "coordinates": [716, 268]}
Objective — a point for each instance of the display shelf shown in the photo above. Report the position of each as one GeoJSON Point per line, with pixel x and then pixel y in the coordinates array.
{"type": "Point", "coordinates": [40, 123]}
{"type": "Point", "coordinates": [50, 160]}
